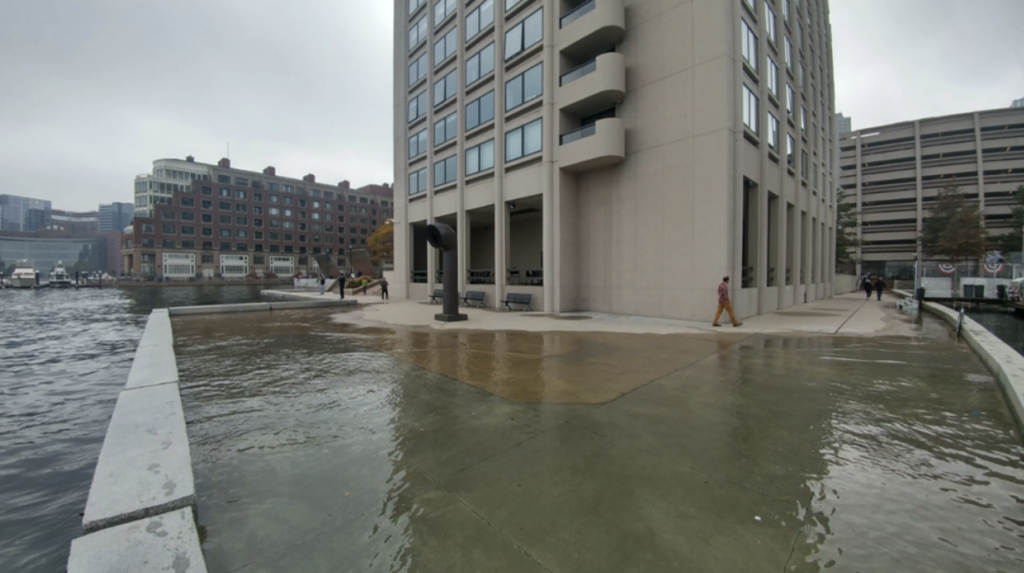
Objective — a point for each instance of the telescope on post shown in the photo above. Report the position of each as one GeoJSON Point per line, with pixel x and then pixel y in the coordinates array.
{"type": "Point", "coordinates": [442, 237]}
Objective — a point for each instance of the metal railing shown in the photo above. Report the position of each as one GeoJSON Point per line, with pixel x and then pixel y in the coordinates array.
{"type": "Point", "coordinates": [577, 134]}
{"type": "Point", "coordinates": [577, 13]}
{"type": "Point", "coordinates": [578, 72]}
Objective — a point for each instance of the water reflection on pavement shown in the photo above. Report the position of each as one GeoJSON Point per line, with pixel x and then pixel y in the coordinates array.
{"type": "Point", "coordinates": [326, 446]}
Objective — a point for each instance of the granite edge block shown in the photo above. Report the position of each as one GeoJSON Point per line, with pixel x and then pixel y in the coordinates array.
{"type": "Point", "coordinates": [165, 542]}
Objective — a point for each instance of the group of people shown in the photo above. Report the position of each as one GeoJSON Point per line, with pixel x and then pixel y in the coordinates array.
{"type": "Point", "coordinates": [366, 283]}
{"type": "Point", "coordinates": [868, 284]}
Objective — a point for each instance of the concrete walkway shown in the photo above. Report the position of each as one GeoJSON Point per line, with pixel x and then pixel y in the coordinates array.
{"type": "Point", "coordinates": [848, 314]}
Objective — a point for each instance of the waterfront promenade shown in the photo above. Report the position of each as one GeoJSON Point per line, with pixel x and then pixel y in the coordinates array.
{"type": "Point", "coordinates": [841, 435]}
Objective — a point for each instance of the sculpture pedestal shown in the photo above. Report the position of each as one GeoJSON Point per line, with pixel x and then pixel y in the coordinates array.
{"type": "Point", "coordinates": [450, 317]}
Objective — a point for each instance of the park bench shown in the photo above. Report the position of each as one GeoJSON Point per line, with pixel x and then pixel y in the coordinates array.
{"type": "Point", "coordinates": [474, 296]}
{"type": "Point", "coordinates": [518, 298]}
{"type": "Point", "coordinates": [438, 296]}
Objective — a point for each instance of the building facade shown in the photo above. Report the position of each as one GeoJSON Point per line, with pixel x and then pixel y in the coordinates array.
{"type": "Point", "coordinates": [23, 214]}
{"type": "Point", "coordinates": [169, 176]}
{"type": "Point", "coordinates": [617, 155]}
{"type": "Point", "coordinates": [1018, 103]}
{"type": "Point", "coordinates": [44, 249]}
{"type": "Point", "coordinates": [844, 124]}
{"type": "Point", "coordinates": [87, 223]}
{"type": "Point", "coordinates": [115, 216]}
{"type": "Point", "coordinates": [234, 222]}
{"type": "Point", "coordinates": [894, 172]}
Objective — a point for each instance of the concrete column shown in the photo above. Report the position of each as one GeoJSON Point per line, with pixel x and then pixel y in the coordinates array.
{"type": "Point", "coordinates": [550, 140]}
{"type": "Point", "coordinates": [462, 222]}
{"type": "Point", "coordinates": [981, 167]}
{"type": "Point", "coordinates": [919, 185]}
{"type": "Point", "coordinates": [500, 211]}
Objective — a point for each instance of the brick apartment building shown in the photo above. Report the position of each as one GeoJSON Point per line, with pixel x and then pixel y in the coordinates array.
{"type": "Point", "coordinates": [230, 222]}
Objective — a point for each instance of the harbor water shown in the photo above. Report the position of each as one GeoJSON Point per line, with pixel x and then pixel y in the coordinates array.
{"type": "Point", "coordinates": [65, 356]}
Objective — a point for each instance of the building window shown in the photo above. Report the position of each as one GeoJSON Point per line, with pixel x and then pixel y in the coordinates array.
{"type": "Point", "coordinates": [749, 45]}
{"type": "Point", "coordinates": [240, 194]}
{"type": "Point", "coordinates": [749, 109]}
{"type": "Point", "coordinates": [223, 179]}
{"type": "Point", "coordinates": [443, 9]}
{"type": "Point", "coordinates": [206, 191]}
{"type": "Point", "coordinates": [773, 78]}
{"type": "Point", "coordinates": [803, 119]}
{"type": "Point", "coordinates": [479, 19]}
{"type": "Point", "coordinates": [242, 221]}
{"type": "Point", "coordinates": [225, 232]}
{"type": "Point", "coordinates": [446, 46]}
{"type": "Point", "coordinates": [167, 229]}
{"type": "Point", "coordinates": [207, 232]}
{"type": "Point", "coordinates": [418, 144]}
{"type": "Point", "coordinates": [769, 21]}
{"type": "Point", "coordinates": [790, 99]}
{"type": "Point", "coordinates": [751, 5]}
{"type": "Point", "coordinates": [417, 33]}
{"type": "Point", "coordinates": [524, 140]}
{"type": "Point", "coordinates": [800, 75]}
{"type": "Point", "coordinates": [480, 64]}
{"type": "Point", "coordinates": [188, 216]}
{"type": "Point", "coordinates": [525, 87]}
{"type": "Point", "coordinates": [785, 9]}
{"type": "Point", "coordinates": [773, 132]}
{"type": "Point", "coordinates": [257, 222]}
{"type": "Point", "coordinates": [790, 150]}
{"type": "Point", "coordinates": [418, 182]}
{"type": "Point", "coordinates": [188, 244]}
{"type": "Point", "coordinates": [241, 208]}
{"type": "Point", "coordinates": [418, 70]}
{"type": "Point", "coordinates": [188, 230]}
{"type": "Point", "coordinates": [480, 158]}
{"type": "Point", "coordinates": [446, 87]}
{"type": "Point", "coordinates": [188, 202]}
{"type": "Point", "coordinates": [168, 214]}
{"type": "Point", "coordinates": [241, 181]}
{"type": "Point", "coordinates": [445, 129]}
{"type": "Point", "coordinates": [524, 34]}
{"type": "Point", "coordinates": [256, 196]}
{"type": "Point", "coordinates": [225, 192]}
{"type": "Point", "coordinates": [788, 50]}
{"type": "Point", "coordinates": [803, 165]}
{"type": "Point", "coordinates": [275, 199]}
{"type": "Point", "coordinates": [417, 108]}
{"type": "Point", "coordinates": [257, 210]}
{"type": "Point", "coordinates": [480, 110]}
{"type": "Point", "coordinates": [168, 243]}
{"type": "Point", "coordinates": [415, 5]}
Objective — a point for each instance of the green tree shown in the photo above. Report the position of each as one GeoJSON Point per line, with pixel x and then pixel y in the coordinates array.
{"type": "Point", "coordinates": [382, 243]}
{"type": "Point", "coordinates": [847, 221]}
{"type": "Point", "coordinates": [954, 230]}
{"type": "Point", "coordinates": [1011, 242]}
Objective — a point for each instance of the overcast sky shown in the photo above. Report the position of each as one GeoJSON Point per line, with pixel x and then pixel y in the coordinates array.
{"type": "Point", "coordinates": [92, 91]}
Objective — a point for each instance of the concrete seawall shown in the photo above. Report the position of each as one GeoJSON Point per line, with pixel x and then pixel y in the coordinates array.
{"type": "Point", "coordinates": [140, 514]}
{"type": "Point", "coordinates": [1005, 363]}
{"type": "Point", "coordinates": [278, 300]}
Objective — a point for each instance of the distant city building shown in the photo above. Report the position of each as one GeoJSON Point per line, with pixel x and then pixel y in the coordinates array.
{"type": "Point", "coordinates": [44, 249]}
{"type": "Point", "coordinates": [844, 124]}
{"type": "Point", "coordinates": [23, 214]}
{"type": "Point", "coordinates": [115, 216]}
{"type": "Point", "coordinates": [75, 223]}
{"type": "Point", "coordinates": [894, 172]}
{"type": "Point", "coordinates": [221, 221]}
{"type": "Point", "coordinates": [1018, 103]}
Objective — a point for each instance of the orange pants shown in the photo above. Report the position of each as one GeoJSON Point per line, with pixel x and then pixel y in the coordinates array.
{"type": "Point", "coordinates": [727, 307]}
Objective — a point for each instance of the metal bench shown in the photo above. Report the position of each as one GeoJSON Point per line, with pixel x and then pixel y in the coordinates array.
{"type": "Point", "coordinates": [518, 298]}
{"type": "Point", "coordinates": [438, 296]}
{"type": "Point", "coordinates": [476, 296]}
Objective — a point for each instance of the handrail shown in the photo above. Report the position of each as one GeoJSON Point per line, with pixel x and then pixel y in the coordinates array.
{"type": "Point", "coordinates": [578, 72]}
{"type": "Point", "coordinates": [576, 13]}
{"type": "Point", "coordinates": [576, 134]}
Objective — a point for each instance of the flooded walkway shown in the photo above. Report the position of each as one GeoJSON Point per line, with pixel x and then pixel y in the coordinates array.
{"type": "Point", "coordinates": [321, 445]}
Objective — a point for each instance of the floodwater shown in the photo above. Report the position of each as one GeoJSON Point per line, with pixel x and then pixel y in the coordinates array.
{"type": "Point", "coordinates": [324, 445]}
{"type": "Point", "coordinates": [1007, 325]}
{"type": "Point", "coordinates": [64, 357]}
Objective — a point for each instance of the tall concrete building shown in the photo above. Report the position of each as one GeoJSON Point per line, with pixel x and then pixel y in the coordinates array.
{"type": "Point", "coordinates": [115, 216]}
{"type": "Point", "coordinates": [894, 172]}
{"type": "Point", "coordinates": [169, 176]}
{"type": "Point", "coordinates": [617, 155]}
{"type": "Point", "coordinates": [1018, 103]}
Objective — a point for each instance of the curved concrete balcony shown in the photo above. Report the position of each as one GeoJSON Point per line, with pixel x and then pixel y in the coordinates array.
{"type": "Point", "coordinates": [596, 85]}
{"type": "Point", "coordinates": [591, 28]}
{"type": "Point", "coordinates": [594, 146]}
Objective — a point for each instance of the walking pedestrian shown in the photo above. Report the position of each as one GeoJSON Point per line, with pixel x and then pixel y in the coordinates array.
{"type": "Point", "coordinates": [323, 283]}
{"type": "Point", "coordinates": [384, 289]}
{"type": "Point", "coordinates": [724, 304]}
{"type": "Point", "coordinates": [879, 287]}
{"type": "Point", "coordinates": [867, 286]}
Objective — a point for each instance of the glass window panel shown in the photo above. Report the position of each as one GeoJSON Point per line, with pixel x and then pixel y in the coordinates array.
{"type": "Point", "coordinates": [472, 160]}
{"type": "Point", "coordinates": [533, 82]}
{"type": "Point", "coordinates": [451, 169]}
{"type": "Point", "coordinates": [487, 155]}
{"type": "Point", "coordinates": [533, 31]}
{"type": "Point", "coordinates": [514, 93]}
{"type": "Point", "coordinates": [472, 114]}
{"type": "Point", "coordinates": [487, 107]}
{"type": "Point", "coordinates": [513, 145]}
{"type": "Point", "coordinates": [532, 137]}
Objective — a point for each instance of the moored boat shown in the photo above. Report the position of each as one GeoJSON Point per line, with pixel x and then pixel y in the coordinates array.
{"type": "Point", "coordinates": [24, 276]}
{"type": "Point", "coordinates": [60, 278]}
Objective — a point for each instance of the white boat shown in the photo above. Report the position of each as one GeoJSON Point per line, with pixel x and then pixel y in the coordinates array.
{"type": "Point", "coordinates": [24, 276]}
{"type": "Point", "coordinates": [60, 278]}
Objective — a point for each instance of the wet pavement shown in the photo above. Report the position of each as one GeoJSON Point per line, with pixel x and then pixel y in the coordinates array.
{"type": "Point", "coordinates": [322, 445]}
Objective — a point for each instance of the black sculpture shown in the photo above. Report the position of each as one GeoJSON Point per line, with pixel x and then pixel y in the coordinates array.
{"type": "Point", "coordinates": [442, 237]}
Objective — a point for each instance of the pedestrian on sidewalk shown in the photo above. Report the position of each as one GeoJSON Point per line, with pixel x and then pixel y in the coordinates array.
{"type": "Point", "coordinates": [724, 304]}
{"type": "Point", "coordinates": [323, 283]}
{"type": "Point", "coordinates": [879, 287]}
{"type": "Point", "coordinates": [866, 285]}
{"type": "Point", "coordinates": [384, 289]}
